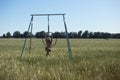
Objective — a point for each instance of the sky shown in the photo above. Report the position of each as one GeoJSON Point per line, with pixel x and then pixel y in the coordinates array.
{"type": "Point", "coordinates": [91, 15]}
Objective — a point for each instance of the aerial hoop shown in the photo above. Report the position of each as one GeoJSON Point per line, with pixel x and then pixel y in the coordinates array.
{"type": "Point", "coordinates": [51, 35]}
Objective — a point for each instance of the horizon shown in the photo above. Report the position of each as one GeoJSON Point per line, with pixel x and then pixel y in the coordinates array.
{"type": "Point", "coordinates": [61, 32]}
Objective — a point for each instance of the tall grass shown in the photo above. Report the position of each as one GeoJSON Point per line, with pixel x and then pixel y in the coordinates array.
{"type": "Point", "coordinates": [96, 59]}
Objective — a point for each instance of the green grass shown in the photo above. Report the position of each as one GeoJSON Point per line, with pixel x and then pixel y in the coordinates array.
{"type": "Point", "coordinates": [92, 59]}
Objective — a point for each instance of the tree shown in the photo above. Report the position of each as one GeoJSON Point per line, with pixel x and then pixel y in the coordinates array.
{"type": "Point", "coordinates": [97, 34]}
{"type": "Point", "coordinates": [57, 35]}
{"type": "Point", "coordinates": [73, 35]}
{"type": "Point", "coordinates": [85, 34]}
{"type": "Point", "coordinates": [40, 34]}
{"type": "Point", "coordinates": [16, 34]}
{"type": "Point", "coordinates": [63, 34]}
{"type": "Point", "coordinates": [37, 35]}
{"type": "Point", "coordinates": [79, 34]}
{"type": "Point", "coordinates": [117, 35]}
{"type": "Point", "coordinates": [8, 34]}
{"type": "Point", "coordinates": [91, 35]}
{"type": "Point", "coordinates": [4, 36]}
{"type": "Point", "coordinates": [27, 34]}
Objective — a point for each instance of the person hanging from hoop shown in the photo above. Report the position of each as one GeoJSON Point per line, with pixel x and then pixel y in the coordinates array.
{"type": "Point", "coordinates": [48, 41]}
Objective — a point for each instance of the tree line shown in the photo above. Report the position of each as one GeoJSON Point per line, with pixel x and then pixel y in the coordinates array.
{"type": "Point", "coordinates": [57, 34]}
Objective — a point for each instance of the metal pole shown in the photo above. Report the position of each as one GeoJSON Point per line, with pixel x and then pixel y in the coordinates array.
{"type": "Point", "coordinates": [25, 39]}
{"type": "Point", "coordinates": [47, 14]}
{"type": "Point", "coordinates": [48, 26]}
{"type": "Point", "coordinates": [68, 43]}
{"type": "Point", "coordinates": [31, 36]}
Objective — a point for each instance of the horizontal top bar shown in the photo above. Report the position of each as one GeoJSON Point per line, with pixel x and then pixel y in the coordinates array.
{"type": "Point", "coordinates": [46, 14]}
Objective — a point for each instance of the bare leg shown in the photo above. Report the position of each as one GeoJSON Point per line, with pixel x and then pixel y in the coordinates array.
{"type": "Point", "coordinates": [47, 53]}
{"type": "Point", "coordinates": [47, 50]}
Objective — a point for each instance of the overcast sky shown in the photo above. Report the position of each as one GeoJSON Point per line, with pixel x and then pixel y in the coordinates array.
{"type": "Point", "coordinates": [91, 15]}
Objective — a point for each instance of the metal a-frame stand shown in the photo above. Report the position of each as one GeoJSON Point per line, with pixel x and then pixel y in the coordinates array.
{"type": "Point", "coordinates": [30, 29]}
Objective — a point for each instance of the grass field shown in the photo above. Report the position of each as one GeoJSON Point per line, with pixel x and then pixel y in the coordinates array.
{"type": "Point", "coordinates": [92, 59]}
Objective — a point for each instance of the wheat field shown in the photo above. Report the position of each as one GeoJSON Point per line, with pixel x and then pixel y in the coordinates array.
{"type": "Point", "coordinates": [92, 59]}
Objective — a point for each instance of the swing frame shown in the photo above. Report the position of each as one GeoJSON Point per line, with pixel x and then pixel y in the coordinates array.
{"type": "Point", "coordinates": [31, 27]}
